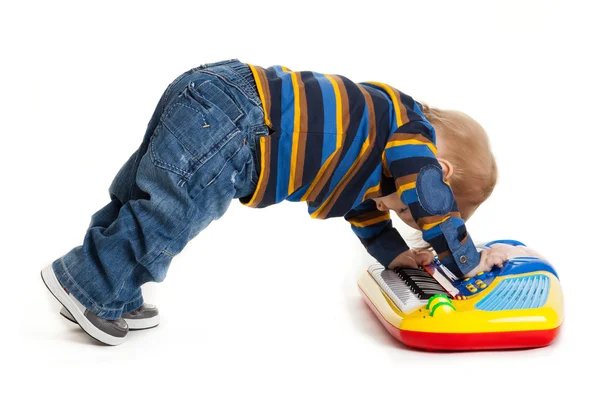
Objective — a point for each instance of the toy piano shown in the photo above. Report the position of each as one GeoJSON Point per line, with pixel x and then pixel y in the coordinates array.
{"type": "Point", "coordinates": [517, 306]}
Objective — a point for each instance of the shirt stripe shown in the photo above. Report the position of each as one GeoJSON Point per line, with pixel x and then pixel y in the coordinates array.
{"type": "Point", "coordinates": [337, 144]}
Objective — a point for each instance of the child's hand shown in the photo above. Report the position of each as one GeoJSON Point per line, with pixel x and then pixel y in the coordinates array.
{"type": "Point", "coordinates": [412, 258]}
{"type": "Point", "coordinates": [497, 255]}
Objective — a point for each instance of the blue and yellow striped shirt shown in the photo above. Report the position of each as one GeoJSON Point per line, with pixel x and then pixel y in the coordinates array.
{"type": "Point", "coordinates": [336, 144]}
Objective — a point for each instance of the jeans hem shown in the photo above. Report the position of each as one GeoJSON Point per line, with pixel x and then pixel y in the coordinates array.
{"type": "Point", "coordinates": [133, 304]}
{"type": "Point", "coordinates": [67, 281]}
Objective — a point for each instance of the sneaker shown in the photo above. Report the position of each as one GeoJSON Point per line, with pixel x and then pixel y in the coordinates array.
{"type": "Point", "coordinates": [144, 317]}
{"type": "Point", "coordinates": [111, 332]}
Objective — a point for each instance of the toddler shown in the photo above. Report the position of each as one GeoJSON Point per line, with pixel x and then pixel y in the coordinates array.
{"type": "Point", "coordinates": [231, 130]}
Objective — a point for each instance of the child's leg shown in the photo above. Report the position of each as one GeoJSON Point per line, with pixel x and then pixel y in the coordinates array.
{"type": "Point", "coordinates": [196, 157]}
{"type": "Point", "coordinates": [121, 190]}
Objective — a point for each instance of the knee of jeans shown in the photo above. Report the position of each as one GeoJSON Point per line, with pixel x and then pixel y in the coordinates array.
{"type": "Point", "coordinates": [121, 185]}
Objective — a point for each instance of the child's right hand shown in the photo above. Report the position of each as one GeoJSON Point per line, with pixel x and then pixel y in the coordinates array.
{"type": "Point", "coordinates": [497, 254]}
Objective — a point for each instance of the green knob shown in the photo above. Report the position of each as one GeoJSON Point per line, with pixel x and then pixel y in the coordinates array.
{"type": "Point", "coordinates": [436, 299]}
{"type": "Point", "coordinates": [441, 305]}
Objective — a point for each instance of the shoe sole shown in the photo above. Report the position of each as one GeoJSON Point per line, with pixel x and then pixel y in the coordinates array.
{"type": "Point", "coordinates": [54, 287]}
{"type": "Point", "coordinates": [134, 324]}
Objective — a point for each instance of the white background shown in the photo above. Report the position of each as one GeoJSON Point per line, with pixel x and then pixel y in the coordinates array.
{"type": "Point", "coordinates": [79, 83]}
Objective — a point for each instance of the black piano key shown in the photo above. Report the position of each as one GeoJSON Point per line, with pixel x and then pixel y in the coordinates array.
{"type": "Point", "coordinates": [420, 282]}
{"type": "Point", "coordinates": [419, 277]}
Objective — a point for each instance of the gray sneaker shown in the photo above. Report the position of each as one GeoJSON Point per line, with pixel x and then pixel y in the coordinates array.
{"type": "Point", "coordinates": [105, 331]}
{"type": "Point", "coordinates": [144, 317]}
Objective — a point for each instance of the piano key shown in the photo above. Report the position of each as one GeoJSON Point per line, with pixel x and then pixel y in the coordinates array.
{"type": "Point", "coordinates": [420, 282]}
{"type": "Point", "coordinates": [408, 288]}
{"type": "Point", "coordinates": [396, 289]}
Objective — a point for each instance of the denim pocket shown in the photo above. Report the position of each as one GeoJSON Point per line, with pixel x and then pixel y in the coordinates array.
{"type": "Point", "coordinates": [192, 130]}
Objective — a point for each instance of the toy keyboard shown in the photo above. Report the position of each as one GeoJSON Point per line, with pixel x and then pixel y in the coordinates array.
{"type": "Point", "coordinates": [517, 306]}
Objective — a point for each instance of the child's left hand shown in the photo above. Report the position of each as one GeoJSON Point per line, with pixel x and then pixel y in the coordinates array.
{"type": "Point", "coordinates": [412, 258]}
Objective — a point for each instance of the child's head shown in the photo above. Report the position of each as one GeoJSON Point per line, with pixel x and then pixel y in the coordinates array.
{"type": "Point", "coordinates": [466, 158]}
{"type": "Point", "coordinates": [464, 144]}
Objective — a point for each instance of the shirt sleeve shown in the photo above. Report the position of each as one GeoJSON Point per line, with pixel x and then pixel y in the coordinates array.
{"type": "Point", "coordinates": [375, 231]}
{"type": "Point", "coordinates": [410, 158]}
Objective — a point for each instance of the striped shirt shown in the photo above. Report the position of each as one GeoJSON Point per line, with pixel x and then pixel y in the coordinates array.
{"type": "Point", "coordinates": [336, 145]}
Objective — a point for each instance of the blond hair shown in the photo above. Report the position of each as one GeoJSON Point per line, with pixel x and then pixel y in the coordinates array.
{"type": "Point", "coordinates": [466, 145]}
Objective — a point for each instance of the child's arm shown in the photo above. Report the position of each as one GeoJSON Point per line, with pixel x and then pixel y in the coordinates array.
{"type": "Point", "coordinates": [382, 241]}
{"type": "Point", "coordinates": [410, 159]}
{"type": "Point", "coordinates": [375, 231]}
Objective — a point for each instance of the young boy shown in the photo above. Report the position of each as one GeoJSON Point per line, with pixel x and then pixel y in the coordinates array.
{"type": "Point", "coordinates": [229, 130]}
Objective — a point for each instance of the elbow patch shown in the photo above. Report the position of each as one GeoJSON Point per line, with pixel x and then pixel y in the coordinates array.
{"type": "Point", "coordinates": [434, 195]}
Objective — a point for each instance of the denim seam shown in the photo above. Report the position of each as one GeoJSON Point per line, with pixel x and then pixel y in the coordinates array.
{"type": "Point", "coordinates": [181, 229]}
{"type": "Point", "coordinates": [194, 157]}
{"type": "Point", "coordinates": [158, 162]}
{"type": "Point", "coordinates": [164, 245]}
{"type": "Point", "coordinates": [95, 306]}
{"type": "Point", "coordinates": [228, 81]}
{"type": "Point", "coordinates": [219, 145]}
{"type": "Point", "coordinates": [251, 160]}
{"type": "Point", "coordinates": [237, 173]}
{"type": "Point", "coordinates": [164, 250]}
{"type": "Point", "coordinates": [214, 150]}
{"type": "Point", "coordinates": [186, 175]}
{"type": "Point", "coordinates": [170, 89]}
{"type": "Point", "coordinates": [172, 107]}
{"type": "Point", "coordinates": [226, 91]}
{"type": "Point", "coordinates": [116, 296]}
{"type": "Point", "coordinates": [133, 301]}
{"type": "Point", "coordinates": [168, 253]}
{"type": "Point", "coordinates": [243, 82]}
{"type": "Point", "coordinates": [260, 127]}
{"type": "Point", "coordinates": [133, 305]}
{"type": "Point", "coordinates": [65, 273]}
{"type": "Point", "coordinates": [158, 253]}
{"type": "Point", "coordinates": [223, 167]}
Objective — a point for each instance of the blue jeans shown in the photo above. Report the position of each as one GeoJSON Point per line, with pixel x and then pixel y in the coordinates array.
{"type": "Point", "coordinates": [198, 154]}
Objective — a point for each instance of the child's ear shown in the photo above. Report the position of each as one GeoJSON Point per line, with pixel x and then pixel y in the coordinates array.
{"type": "Point", "coordinates": [447, 168]}
{"type": "Point", "coordinates": [380, 205]}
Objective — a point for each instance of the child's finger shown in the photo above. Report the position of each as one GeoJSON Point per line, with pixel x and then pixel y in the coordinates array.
{"type": "Point", "coordinates": [498, 260]}
{"type": "Point", "coordinates": [424, 258]}
{"type": "Point", "coordinates": [414, 260]}
{"type": "Point", "coordinates": [404, 261]}
{"type": "Point", "coordinates": [411, 262]}
{"type": "Point", "coordinates": [492, 259]}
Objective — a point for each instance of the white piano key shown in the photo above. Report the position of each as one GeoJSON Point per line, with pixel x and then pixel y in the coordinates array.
{"type": "Point", "coordinates": [395, 288]}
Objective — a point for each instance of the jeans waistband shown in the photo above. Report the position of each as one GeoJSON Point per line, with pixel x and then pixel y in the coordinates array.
{"type": "Point", "coordinates": [237, 73]}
